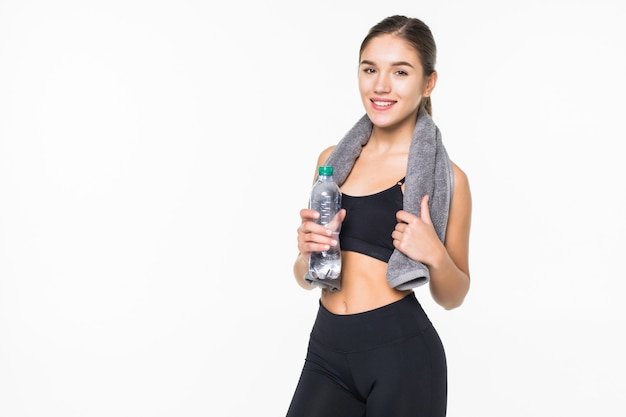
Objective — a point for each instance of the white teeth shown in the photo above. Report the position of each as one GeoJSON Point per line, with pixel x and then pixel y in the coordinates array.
{"type": "Point", "coordinates": [383, 103]}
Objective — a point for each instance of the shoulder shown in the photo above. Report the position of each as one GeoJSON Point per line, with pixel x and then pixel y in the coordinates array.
{"type": "Point", "coordinates": [321, 159]}
{"type": "Point", "coordinates": [460, 177]}
{"type": "Point", "coordinates": [461, 194]}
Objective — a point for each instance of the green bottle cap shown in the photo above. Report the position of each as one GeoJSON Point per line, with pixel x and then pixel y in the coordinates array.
{"type": "Point", "coordinates": [325, 170]}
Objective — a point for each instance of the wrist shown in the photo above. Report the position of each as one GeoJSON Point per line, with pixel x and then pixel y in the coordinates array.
{"type": "Point", "coordinates": [304, 258]}
{"type": "Point", "coordinates": [439, 257]}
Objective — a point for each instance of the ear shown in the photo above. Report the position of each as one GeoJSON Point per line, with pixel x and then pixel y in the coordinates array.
{"type": "Point", "coordinates": [431, 81]}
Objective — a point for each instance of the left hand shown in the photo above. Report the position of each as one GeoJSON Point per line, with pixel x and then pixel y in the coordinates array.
{"type": "Point", "coordinates": [416, 236]}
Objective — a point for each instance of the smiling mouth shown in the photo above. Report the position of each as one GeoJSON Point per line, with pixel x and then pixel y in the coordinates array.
{"type": "Point", "coordinates": [383, 103]}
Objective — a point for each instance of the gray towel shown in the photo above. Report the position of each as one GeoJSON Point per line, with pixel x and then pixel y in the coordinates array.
{"type": "Point", "coordinates": [429, 172]}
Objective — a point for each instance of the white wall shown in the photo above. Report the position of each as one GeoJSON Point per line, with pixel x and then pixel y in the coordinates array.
{"type": "Point", "coordinates": [154, 156]}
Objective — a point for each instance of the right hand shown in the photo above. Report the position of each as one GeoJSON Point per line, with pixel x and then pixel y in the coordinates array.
{"type": "Point", "coordinates": [313, 237]}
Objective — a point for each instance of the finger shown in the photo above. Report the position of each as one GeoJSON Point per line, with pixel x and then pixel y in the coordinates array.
{"type": "Point", "coordinates": [309, 214]}
{"type": "Point", "coordinates": [335, 223]}
{"type": "Point", "coordinates": [400, 227]}
{"type": "Point", "coordinates": [309, 241]}
{"type": "Point", "coordinates": [404, 216]}
{"type": "Point", "coordinates": [317, 243]}
{"type": "Point", "coordinates": [342, 215]}
{"type": "Point", "coordinates": [312, 232]}
{"type": "Point", "coordinates": [425, 211]}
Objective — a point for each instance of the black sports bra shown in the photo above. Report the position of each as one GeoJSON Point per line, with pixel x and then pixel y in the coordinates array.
{"type": "Point", "coordinates": [369, 222]}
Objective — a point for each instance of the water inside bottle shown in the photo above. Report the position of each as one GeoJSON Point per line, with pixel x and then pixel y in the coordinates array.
{"type": "Point", "coordinates": [327, 264]}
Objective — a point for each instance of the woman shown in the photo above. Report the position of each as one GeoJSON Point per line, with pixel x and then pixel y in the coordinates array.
{"type": "Point", "coordinates": [373, 351]}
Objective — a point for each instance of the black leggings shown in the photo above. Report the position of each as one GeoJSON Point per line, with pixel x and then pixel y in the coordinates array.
{"type": "Point", "coordinates": [387, 362]}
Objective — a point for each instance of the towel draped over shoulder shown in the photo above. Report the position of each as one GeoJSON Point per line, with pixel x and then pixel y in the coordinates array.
{"type": "Point", "coordinates": [429, 172]}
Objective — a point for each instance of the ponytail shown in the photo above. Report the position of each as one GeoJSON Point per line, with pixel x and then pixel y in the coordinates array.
{"type": "Point", "coordinates": [427, 105]}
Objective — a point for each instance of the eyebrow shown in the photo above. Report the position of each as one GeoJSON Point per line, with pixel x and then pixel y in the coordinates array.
{"type": "Point", "coordinates": [393, 64]}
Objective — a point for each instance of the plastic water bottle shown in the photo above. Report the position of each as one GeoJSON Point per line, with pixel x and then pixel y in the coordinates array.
{"type": "Point", "coordinates": [326, 199]}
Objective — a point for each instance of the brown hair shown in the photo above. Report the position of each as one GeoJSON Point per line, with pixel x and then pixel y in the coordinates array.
{"type": "Point", "coordinates": [417, 34]}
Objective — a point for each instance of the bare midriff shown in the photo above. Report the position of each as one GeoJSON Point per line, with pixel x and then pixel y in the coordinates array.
{"type": "Point", "coordinates": [364, 286]}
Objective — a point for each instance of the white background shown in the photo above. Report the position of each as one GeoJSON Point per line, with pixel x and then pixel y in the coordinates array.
{"type": "Point", "coordinates": [154, 156]}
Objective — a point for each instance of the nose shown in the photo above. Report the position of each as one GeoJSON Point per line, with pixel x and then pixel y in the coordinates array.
{"type": "Point", "coordinates": [382, 84]}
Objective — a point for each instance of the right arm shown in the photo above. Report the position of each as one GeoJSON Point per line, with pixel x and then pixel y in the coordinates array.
{"type": "Point", "coordinates": [312, 237]}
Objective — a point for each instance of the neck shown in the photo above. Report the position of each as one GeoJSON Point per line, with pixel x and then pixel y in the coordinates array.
{"type": "Point", "coordinates": [397, 137]}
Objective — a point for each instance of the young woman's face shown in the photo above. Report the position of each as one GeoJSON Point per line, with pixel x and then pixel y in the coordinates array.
{"type": "Point", "coordinates": [391, 81]}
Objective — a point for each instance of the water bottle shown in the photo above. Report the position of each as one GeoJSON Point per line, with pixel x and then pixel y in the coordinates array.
{"type": "Point", "coordinates": [326, 199]}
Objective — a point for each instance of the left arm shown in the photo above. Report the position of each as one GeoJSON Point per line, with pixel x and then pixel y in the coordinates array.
{"type": "Point", "coordinates": [448, 264]}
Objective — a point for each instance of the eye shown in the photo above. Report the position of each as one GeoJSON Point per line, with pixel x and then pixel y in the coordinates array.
{"type": "Point", "coordinates": [369, 70]}
{"type": "Point", "coordinates": [402, 73]}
